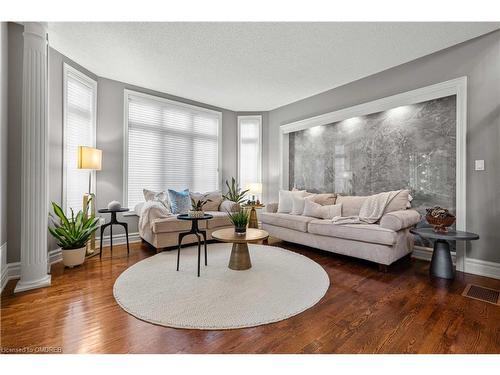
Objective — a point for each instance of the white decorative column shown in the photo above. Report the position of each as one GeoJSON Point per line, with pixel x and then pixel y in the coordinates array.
{"type": "Point", "coordinates": [34, 180]}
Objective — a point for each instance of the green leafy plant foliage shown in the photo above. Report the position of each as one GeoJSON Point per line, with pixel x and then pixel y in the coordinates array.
{"type": "Point", "coordinates": [198, 205]}
{"type": "Point", "coordinates": [240, 218]}
{"type": "Point", "coordinates": [73, 232]}
{"type": "Point", "coordinates": [234, 193]}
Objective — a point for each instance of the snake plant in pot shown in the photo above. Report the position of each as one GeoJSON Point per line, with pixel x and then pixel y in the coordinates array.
{"type": "Point", "coordinates": [72, 234]}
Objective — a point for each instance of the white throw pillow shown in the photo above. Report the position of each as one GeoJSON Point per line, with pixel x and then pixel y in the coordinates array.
{"type": "Point", "coordinates": [214, 196]}
{"type": "Point", "coordinates": [285, 203]}
{"type": "Point", "coordinates": [314, 209]}
{"type": "Point", "coordinates": [298, 203]}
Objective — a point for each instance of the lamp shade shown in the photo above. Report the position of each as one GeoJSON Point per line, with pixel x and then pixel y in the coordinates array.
{"type": "Point", "coordinates": [254, 188]}
{"type": "Point", "coordinates": [89, 158]}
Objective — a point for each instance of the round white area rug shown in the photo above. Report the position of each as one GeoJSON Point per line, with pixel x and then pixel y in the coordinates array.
{"type": "Point", "coordinates": [280, 284]}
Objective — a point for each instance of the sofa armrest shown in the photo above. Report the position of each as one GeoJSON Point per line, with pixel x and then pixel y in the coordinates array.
{"type": "Point", "coordinates": [272, 207]}
{"type": "Point", "coordinates": [401, 219]}
{"type": "Point", "coordinates": [228, 206]}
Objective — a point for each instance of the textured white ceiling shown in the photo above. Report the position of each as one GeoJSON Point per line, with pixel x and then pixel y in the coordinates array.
{"type": "Point", "coordinates": [250, 66]}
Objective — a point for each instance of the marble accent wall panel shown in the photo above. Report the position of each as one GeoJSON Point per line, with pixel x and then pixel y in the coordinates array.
{"type": "Point", "coordinates": [412, 147]}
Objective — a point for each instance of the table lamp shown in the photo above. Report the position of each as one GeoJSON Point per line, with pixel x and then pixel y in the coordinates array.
{"type": "Point", "coordinates": [89, 158]}
{"type": "Point", "coordinates": [255, 188]}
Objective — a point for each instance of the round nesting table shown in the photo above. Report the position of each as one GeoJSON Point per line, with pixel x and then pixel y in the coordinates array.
{"type": "Point", "coordinates": [252, 220]}
{"type": "Point", "coordinates": [240, 257]}
{"type": "Point", "coordinates": [196, 231]}
{"type": "Point", "coordinates": [441, 263]}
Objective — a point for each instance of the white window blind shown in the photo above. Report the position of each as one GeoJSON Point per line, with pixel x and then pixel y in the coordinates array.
{"type": "Point", "coordinates": [79, 105]}
{"type": "Point", "coordinates": [249, 150]}
{"type": "Point", "coordinates": [170, 145]}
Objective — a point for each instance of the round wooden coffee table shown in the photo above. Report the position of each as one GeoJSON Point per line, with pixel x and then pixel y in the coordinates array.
{"type": "Point", "coordinates": [240, 257]}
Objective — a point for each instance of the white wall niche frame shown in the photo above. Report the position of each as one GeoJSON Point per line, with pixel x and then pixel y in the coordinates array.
{"type": "Point", "coordinates": [457, 86]}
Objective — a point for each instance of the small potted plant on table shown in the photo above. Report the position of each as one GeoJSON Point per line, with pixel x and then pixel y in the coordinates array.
{"type": "Point", "coordinates": [240, 217]}
{"type": "Point", "coordinates": [197, 206]}
{"type": "Point", "coordinates": [239, 220]}
{"type": "Point", "coordinates": [72, 234]}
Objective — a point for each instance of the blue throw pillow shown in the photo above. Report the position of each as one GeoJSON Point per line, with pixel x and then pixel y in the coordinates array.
{"type": "Point", "coordinates": [180, 201]}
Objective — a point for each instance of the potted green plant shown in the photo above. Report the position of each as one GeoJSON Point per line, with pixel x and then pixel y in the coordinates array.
{"type": "Point", "coordinates": [234, 193]}
{"type": "Point", "coordinates": [239, 220]}
{"type": "Point", "coordinates": [197, 206]}
{"type": "Point", "coordinates": [72, 234]}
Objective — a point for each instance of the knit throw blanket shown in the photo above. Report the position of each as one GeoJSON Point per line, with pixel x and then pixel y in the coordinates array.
{"type": "Point", "coordinates": [371, 211]}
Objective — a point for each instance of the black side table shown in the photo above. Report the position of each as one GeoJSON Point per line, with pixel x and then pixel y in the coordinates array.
{"type": "Point", "coordinates": [441, 263]}
{"type": "Point", "coordinates": [110, 225]}
{"type": "Point", "coordinates": [194, 230]}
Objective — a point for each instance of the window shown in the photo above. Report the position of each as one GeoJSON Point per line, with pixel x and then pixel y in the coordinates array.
{"type": "Point", "coordinates": [79, 113]}
{"type": "Point", "coordinates": [169, 145]}
{"type": "Point", "coordinates": [249, 150]}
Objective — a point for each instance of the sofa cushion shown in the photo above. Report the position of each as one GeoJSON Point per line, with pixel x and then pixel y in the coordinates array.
{"type": "Point", "coordinates": [316, 210]}
{"type": "Point", "coordinates": [285, 203]}
{"type": "Point", "coordinates": [399, 202]}
{"type": "Point", "coordinates": [371, 233]}
{"type": "Point", "coordinates": [172, 224]}
{"type": "Point", "coordinates": [215, 198]}
{"type": "Point", "coordinates": [325, 199]}
{"type": "Point", "coordinates": [350, 204]}
{"type": "Point", "coordinates": [398, 220]}
{"type": "Point", "coordinates": [295, 222]}
{"type": "Point", "coordinates": [221, 219]}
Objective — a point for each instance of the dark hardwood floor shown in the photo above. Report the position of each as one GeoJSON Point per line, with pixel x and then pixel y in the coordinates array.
{"type": "Point", "coordinates": [364, 311]}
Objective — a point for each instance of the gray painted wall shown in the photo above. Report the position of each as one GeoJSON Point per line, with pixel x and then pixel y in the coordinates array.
{"type": "Point", "coordinates": [15, 61]}
{"type": "Point", "coordinates": [110, 140]}
{"type": "Point", "coordinates": [479, 60]}
{"type": "Point", "coordinates": [3, 131]}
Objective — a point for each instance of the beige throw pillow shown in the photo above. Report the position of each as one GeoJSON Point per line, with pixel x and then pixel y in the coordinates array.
{"type": "Point", "coordinates": [350, 204]}
{"type": "Point", "coordinates": [314, 209]}
{"type": "Point", "coordinates": [325, 199]}
{"type": "Point", "coordinates": [214, 196]}
{"type": "Point", "coordinates": [399, 202]}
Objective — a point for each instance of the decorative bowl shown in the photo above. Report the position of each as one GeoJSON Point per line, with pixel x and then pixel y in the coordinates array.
{"type": "Point", "coordinates": [114, 205]}
{"type": "Point", "coordinates": [440, 224]}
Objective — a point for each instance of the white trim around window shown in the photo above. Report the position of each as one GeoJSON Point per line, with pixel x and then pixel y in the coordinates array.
{"type": "Point", "coordinates": [256, 119]}
{"type": "Point", "coordinates": [70, 73]}
{"type": "Point", "coordinates": [152, 98]}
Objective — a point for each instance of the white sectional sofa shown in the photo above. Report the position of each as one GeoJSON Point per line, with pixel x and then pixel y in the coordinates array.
{"type": "Point", "coordinates": [383, 243]}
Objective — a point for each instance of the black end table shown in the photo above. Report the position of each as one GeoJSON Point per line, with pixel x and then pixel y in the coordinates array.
{"type": "Point", "coordinates": [110, 225]}
{"type": "Point", "coordinates": [441, 263]}
{"type": "Point", "coordinates": [194, 230]}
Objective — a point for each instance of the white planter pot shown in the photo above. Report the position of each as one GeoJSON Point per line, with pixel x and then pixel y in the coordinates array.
{"type": "Point", "coordinates": [74, 257]}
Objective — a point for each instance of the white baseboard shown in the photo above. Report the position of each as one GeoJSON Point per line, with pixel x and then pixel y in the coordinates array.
{"type": "Point", "coordinates": [118, 239]}
{"type": "Point", "coordinates": [3, 266]}
{"type": "Point", "coordinates": [473, 266]}
{"type": "Point", "coordinates": [11, 271]}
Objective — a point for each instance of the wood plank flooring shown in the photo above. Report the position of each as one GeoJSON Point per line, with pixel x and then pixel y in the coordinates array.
{"type": "Point", "coordinates": [364, 311]}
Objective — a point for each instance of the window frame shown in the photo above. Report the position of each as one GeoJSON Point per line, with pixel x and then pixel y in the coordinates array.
{"type": "Point", "coordinates": [126, 95]}
{"type": "Point", "coordinates": [86, 80]}
{"type": "Point", "coordinates": [243, 117]}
